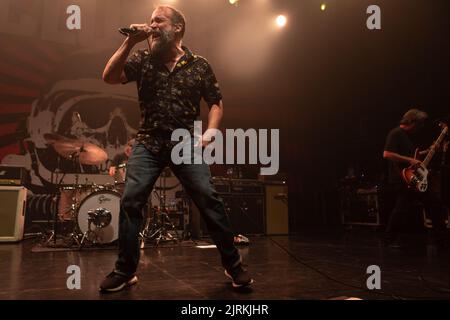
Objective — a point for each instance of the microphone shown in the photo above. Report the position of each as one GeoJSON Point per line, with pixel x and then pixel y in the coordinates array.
{"type": "Point", "coordinates": [128, 31]}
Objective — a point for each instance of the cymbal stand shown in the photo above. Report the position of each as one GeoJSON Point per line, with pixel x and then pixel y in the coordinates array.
{"type": "Point", "coordinates": [73, 236]}
{"type": "Point", "coordinates": [159, 230]}
{"type": "Point", "coordinates": [53, 233]}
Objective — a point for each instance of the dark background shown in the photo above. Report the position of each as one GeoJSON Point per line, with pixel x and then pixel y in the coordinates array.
{"type": "Point", "coordinates": [354, 85]}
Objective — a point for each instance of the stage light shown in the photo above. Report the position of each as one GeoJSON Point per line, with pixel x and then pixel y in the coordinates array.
{"type": "Point", "coordinates": [233, 1]}
{"type": "Point", "coordinates": [281, 21]}
{"type": "Point", "coordinates": [323, 6]}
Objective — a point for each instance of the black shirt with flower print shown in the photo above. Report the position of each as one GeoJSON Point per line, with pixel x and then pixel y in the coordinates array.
{"type": "Point", "coordinates": [170, 100]}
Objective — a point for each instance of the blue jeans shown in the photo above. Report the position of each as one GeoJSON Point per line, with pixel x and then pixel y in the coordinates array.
{"type": "Point", "coordinates": [143, 169]}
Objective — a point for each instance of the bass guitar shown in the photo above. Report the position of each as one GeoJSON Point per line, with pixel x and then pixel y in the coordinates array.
{"type": "Point", "coordinates": [416, 176]}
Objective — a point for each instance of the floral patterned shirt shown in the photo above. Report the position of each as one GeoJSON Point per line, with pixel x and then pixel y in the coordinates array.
{"type": "Point", "coordinates": [170, 100]}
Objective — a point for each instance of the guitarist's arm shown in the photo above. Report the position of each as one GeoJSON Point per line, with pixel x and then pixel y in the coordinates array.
{"type": "Point", "coordinates": [399, 158]}
{"type": "Point", "coordinates": [423, 152]}
{"type": "Point", "coordinates": [433, 147]}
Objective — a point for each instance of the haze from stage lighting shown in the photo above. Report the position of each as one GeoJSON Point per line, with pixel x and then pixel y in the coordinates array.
{"type": "Point", "coordinates": [250, 40]}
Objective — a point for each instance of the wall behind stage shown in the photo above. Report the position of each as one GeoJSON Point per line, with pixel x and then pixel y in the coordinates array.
{"type": "Point", "coordinates": [50, 76]}
{"type": "Point", "coordinates": [330, 85]}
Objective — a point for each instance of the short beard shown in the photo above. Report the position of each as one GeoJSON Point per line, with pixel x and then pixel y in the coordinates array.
{"type": "Point", "coordinates": [162, 46]}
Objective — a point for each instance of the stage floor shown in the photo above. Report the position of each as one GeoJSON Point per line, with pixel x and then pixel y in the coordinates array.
{"type": "Point", "coordinates": [188, 272]}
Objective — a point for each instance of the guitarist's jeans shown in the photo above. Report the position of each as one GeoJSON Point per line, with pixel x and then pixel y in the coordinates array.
{"type": "Point", "coordinates": [405, 200]}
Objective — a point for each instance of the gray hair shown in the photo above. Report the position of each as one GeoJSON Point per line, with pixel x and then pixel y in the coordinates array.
{"type": "Point", "coordinates": [413, 116]}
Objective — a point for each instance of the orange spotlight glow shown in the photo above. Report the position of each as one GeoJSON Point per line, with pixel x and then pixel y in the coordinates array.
{"type": "Point", "coordinates": [281, 21]}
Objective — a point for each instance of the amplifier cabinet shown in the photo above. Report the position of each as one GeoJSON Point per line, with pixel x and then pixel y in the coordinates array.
{"type": "Point", "coordinates": [12, 213]}
{"type": "Point", "coordinates": [277, 213]}
{"type": "Point", "coordinates": [360, 207]}
{"type": "Point", "coordinates": [244, 204]}
{"type": "Point", "coordinates": [246, 213]}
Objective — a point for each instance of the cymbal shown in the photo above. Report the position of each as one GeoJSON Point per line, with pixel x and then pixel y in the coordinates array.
{"type": "Point", "coordinates": [86, 152]}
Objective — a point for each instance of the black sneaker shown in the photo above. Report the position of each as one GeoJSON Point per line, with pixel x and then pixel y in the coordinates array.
{"type": "Point", "coordinates": [240, 276]}
{"type": "Point", "coordinates": [115, 282]}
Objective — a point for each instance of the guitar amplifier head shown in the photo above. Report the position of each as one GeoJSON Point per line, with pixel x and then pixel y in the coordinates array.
{"type": "Point", "coordinates": [238, 186]}
{"type": "Point", "coordinates": [361, 208]}
{"type": "Point", "coordinates": [12, 213]}
{"type": "Point", "coordinates": [12, 176]}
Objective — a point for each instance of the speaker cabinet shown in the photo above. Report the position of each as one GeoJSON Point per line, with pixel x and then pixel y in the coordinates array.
{"type": "Point", "coordinates": [244, 204]}
{"type": "Point", "coordinates": [360, 207]}
{"type": "Point", "coordinates": [252, 207]}
{"type": "Point", "coordinates": [246, 213]}
{"type": "Point", "coordinates": [12, 213]}
{"type": "Point", "coordinates": [277, 217]}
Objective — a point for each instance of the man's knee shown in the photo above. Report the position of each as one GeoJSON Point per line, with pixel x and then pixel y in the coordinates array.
{"type": "Point", "coordinates": [131, 204]}
{"type": "Point", "coordinates": [201, 188]}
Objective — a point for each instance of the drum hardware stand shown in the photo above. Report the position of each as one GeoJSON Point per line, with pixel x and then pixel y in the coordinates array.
{"type": "Point", "coordinates": [53, 233]}
{"type": "Point", "coordinates": [162, 232]}
{"type": "Point", "coordinates": [158, 231]}
{"type": "Point", "coordinates": [73, 209]}
{"type": "Point", "coordinates": [100, 218]}
{"type": "Point", "coordinates": [188, 231]}
{"type": "Point", "coordinates": [53, 236]}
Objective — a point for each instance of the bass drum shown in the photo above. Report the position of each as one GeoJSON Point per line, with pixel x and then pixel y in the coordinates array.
{"type": "Point", "coordinates": [98, 216]}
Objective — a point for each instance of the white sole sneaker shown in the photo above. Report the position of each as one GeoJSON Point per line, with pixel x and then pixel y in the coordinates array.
{"type": "Point", "coordinates": [129, 283]}
{"type": "Point", "coordinates": [235, 285]}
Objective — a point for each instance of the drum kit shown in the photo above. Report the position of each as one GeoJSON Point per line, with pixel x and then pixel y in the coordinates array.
{"type": "Point", "coordinates": [92, 210]}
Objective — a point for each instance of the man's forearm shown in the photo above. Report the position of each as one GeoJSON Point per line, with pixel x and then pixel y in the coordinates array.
{"type": "Point", "coordinates": [396, 157]}
{"type": "Point", "coordinates": [215, 116]}
{"type": "Point", "coordinates": [113, 72]}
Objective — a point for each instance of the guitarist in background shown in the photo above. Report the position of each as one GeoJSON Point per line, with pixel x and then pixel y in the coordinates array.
{"type": "Point", "coordinates": [399, 151]}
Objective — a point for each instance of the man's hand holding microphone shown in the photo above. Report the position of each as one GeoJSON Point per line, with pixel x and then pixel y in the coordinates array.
{"type": "Point", "coordinates": [137, 32]}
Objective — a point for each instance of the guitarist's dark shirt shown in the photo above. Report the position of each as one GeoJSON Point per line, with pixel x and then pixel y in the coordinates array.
{"type": "Point", "coordinates": [398, 141]}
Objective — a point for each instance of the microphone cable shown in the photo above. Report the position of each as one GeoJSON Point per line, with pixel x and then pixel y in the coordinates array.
{"type": "Point", "coordinates": [328, 277]}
